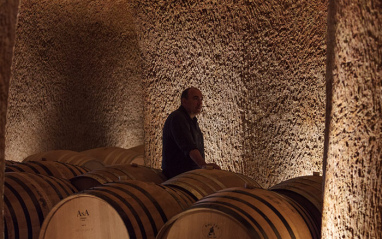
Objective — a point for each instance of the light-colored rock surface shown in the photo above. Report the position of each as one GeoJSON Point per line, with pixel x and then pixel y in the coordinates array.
{"type": "Point", "coordinates": [353, 185]}
{"type": "Point", "coordinates": [88, 74]}
{"type": "Point", "coordinates": [76, 81]}
{"type": "Point", "coordinates": [84, 69]}
{"type": "Point", "coordinates": [261, 67]}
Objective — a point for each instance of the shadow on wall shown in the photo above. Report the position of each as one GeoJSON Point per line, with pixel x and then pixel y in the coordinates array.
{"type": "Point", "coordinates": [88, 59]}
{"type": "Point", "coordinates": [76, 80]}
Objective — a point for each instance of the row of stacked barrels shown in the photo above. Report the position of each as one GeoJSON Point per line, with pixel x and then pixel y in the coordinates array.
{"type": "Point", "coordinates": [134, 201]}
{"type": "Point", "coordinates": [32, 187]}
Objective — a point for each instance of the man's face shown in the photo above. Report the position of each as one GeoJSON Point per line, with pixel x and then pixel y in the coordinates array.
{"type": "Point", "coordinates": [193, 103]}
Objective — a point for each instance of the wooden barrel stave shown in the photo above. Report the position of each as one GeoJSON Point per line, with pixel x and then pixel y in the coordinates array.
{"type": "Point", "coordinates": [202, 182]}
{"type": "Point", "coordinates": [265, 217]}
{"type": "Point", "coordinates": [238, 213]}
{"type": "Point", "coordinates": [10, 162]}
{"type": "Point", "coordinates": [132, 216]}
{"type": "Point", "coordinates": [67, 156]}
{"type": "Point", "coordinates": [184, 199]}
{"type": "Point", "coordinates": [306, 193]}
{"type": "Point", "coordinates": [84, 216]}
{"type": "Point", "coordinates": [141, 207]}
{"type": "Point", "coordinates": [311, 218]}
{"type": "Point", "coordinates": [20, 222]}
{"type": "Point", "coordinates": [114, 155]}
{"type": "Point", "coordinates": [116, 173]}
{"type": "Point", "coordinates": [195, 186]}
{"type": "Point", "coordinates": [309, 187]}
{"type": "Point", "coordinates": [139, 149]}
{"type": "Point", "coordinates": [71, 170]}
{"type": "Point", "coordinates": [141, 172]}
{"type": "Point", "coordinates": [28, 198]}
{"type": "Point", "coordinates": [48, 168]}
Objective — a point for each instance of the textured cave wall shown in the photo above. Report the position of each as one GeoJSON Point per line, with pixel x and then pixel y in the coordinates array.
{"type": "Point", "coordinates": [261, 67]}
{"type": "Point", "coordinates": [76, 78]}
{"type": "Point", "coordinates": [353, 177]}
{"type": "Point", "coordinates": [8, 18]}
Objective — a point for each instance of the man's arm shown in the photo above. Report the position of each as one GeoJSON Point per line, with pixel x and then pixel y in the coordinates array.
{"type": "Point", "coordinates": [198, 159]}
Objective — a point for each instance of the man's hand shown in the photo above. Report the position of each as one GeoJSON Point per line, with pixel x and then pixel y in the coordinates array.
{"type": "Point", "coordinates": [198, 159]}
{"type": "Point", "coordinates": [211, 166]}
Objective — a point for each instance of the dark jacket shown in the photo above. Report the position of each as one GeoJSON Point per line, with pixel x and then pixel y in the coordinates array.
{"type": "Point", "coordinates": [181, 134]}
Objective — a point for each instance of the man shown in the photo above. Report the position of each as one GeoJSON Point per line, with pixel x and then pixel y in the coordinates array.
{"type": "Point", "coordinates": [183, 145]}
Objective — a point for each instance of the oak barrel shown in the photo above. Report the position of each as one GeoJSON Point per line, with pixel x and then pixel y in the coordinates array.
{"type": "Point", "coordinates": [202, 182]}
{"type": "Point", "coordinates": [184, 199]}
{"type": "Point", "coordinates": [28, 198]}
{"type": "Point", "coordinates": [67, 156]}
{"type": "Point", "coordinates": [116, 155]}
{"type": "Point", "coordinates": [49, 168]}
{"type": "Point", "coordinates": [131, 209]}
{"type": "Point", "coordinates": [10, 162]}
{"type": "Point", "coordinates": [238, 213]}
{"type": "Point", "coordinates": [116, 173]}
{"type": "Point", "coordinates": [139, 149]}
{"type": "Point", "coordinates": [306, 191]}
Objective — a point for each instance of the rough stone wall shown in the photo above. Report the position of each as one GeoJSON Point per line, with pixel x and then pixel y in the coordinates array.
{"type": "Point", "coordinates": [353, 177]}
{"type": "Point", "coordinates": [76, 80]}
{"type": "Point", "coordinates": [261, 67]}
{"type": "Point", "coordinates": [8, 18]}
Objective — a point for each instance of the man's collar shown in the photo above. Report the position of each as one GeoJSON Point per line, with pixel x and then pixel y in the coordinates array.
{"type": "Point", "coordinates": [185, 111]}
